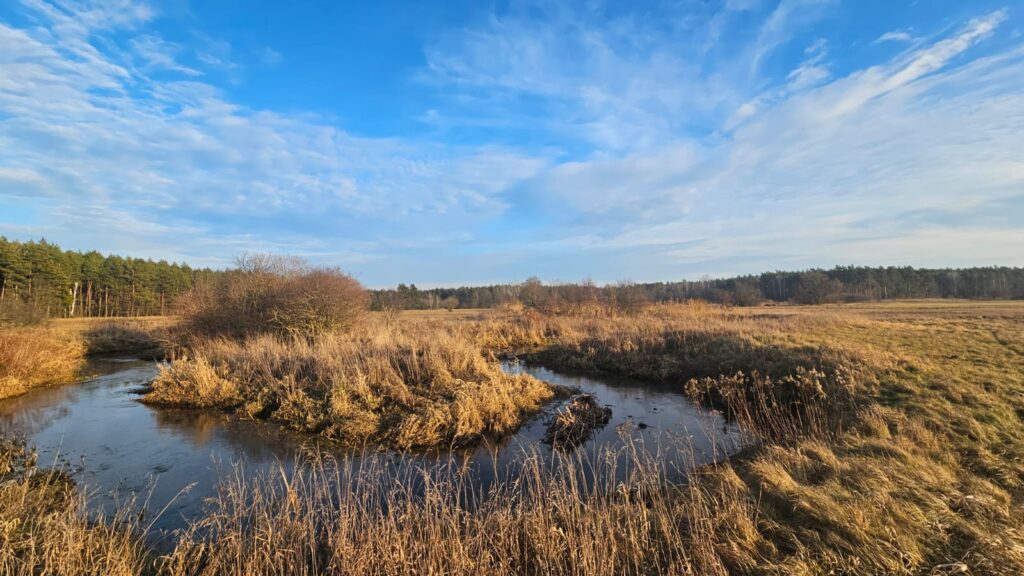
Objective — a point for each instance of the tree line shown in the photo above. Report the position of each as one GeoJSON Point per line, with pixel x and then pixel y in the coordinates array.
{"type": "Point", "coordinates": [39, 279]}
{"type": "Point", "coordinates": [816, 286]}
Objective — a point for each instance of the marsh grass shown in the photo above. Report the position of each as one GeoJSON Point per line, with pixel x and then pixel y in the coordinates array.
{"type": "Point", "coordinates": [46, 528]}
{"type": "Point", "coordinates": [333, 517]}
{"type": "Point", "coordinates": [890, 442]}
{"type": "Point", "coordinates": [419, 385]}
{"type": "Point", "coordinates": [891, 437]}
{"type": "Point", "coordinates": [34, 357]}
{"type": "Point", "coordinates": [774, 385]}
{"type": "Point", "coordinates": [56, 353]}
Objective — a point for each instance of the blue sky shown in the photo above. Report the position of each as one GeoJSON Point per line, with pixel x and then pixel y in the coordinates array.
{"type": "Point", "coordinates": [448, 143]}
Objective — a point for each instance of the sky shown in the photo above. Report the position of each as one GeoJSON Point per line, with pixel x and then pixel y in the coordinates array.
{"type": "Point", "coordinates": [452, 143]}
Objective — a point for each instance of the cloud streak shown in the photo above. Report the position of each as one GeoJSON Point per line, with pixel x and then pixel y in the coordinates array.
{"type": "Point", "coordinates": [667, 147]}
{"type": "Point", "coordinates": [87, 133]}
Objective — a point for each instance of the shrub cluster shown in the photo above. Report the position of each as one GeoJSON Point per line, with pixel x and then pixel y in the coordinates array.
{"type": "Point", "coordinates": [279, 295]}
{"type": "Point", "coordinates": [15, 312]}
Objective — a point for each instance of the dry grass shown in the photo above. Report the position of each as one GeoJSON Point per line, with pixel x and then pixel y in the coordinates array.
{"type": "Point", "coordinates": [892, 436]}
{"type": "Point", "coordinates": [920, 469]}
{"type": "Point", "coordinates": [33, 357]}
{"type": "Point", "coordinates": [756, 366]}
{"type": "Point", "coordinates": [126, 338]}
{"type": "Point", "coordinates": [423, 384]}
{"type": "Point", "coordinates": [340, 519]}
{"type": "Point", "coordinates": [575, 422]}
{"type": "Point", "coordinates": [45, 528]}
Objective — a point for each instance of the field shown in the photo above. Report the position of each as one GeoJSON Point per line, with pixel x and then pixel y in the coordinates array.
{"type": "Point", "coordinates": [888, 440]}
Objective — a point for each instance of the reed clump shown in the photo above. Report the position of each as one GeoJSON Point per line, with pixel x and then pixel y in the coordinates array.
{"type": "Point", "coordinates": [576, 421]}
{"type": "Point", "coordinates": [338, 518]}
{"type": "Point", "coordinates": [422, 385]}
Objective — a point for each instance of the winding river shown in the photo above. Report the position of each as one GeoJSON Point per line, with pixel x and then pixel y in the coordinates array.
{"type": "Point", "coordinates": [170, 460]}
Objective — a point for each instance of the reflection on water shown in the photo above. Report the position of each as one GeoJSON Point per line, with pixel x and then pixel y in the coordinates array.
{"type": "Point", "coordinates": [115, 445]}
{"type": "Point", "coordinates": [658, 420]}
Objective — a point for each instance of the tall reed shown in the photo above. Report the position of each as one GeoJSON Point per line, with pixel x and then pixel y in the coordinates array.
{"type": "Point", "coordinates": [331, 517]}
{"type": "Point", "coordinates": [421, 384]}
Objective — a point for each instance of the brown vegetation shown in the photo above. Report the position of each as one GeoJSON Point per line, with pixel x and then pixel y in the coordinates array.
{"type": "Point", "coordinates": [891, 436]}
{"type": "Point", "coordinates": [540, 522]}
{"type": "Point", "coordinates": [15, 312]}
{"type": "Point", "coordinates": [45, 528]}
{"type": "Point", "coordinates": [127, 338]}
{"type": "Point", "coordinates": [273, 295]}
{"type": "Point", "coordinates": [33, 357]}
{"type": "Point", "coordinates": [890, 443]}
{"type": "Point", "coordinates": [576, 421]}
{"type": "Point", "coordinates": [56, 353]}
{"type": "Point", "coordinates": [421, 384]}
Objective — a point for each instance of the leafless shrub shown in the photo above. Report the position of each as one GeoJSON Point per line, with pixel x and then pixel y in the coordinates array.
{"type": "Point", "coordinates": [806, 403]}
{"type": "Point", "coordinates": [121, 338]}
{"type": "Point", "coordinates": [268, 294]}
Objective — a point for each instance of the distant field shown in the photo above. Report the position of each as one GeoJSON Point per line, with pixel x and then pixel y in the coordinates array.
{"type": "Point", "coordinates": [87, 323]}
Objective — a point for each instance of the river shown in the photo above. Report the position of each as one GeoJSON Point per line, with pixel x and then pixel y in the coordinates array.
{"type": "Point", "coordinates": [170, 460]}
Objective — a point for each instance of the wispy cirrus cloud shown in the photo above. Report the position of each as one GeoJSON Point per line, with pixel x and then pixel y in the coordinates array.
{"type": "Point", "coordinates": [171, 159]}
{"type": "Point", "coordinates": [160, 54]}
{"type": "Point", "coordinates": [814, 169]}
{"type": "Point", "coordinates": [896, 36]}
{"type": "Point", "coordinates": [569, 140]}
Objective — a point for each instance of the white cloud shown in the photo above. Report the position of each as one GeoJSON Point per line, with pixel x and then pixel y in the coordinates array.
{"type": "Point", "coordinates": [619, 84]}
{"type": "Point", "coordinates": [662, 148]}
{"type": "Point", "coordinates": [898, 163]}
{"type": "Point", "coordinates": [813, 70]}
{"type": "Point", "coordinates": [85, 129]}
{"type": "Point", "coordinates": [779, 27]}
{"type": "Point", "coordinates": [638, 186]}
{"type": "Point", "coordinates": [270, 57]}
{"type": "Point", "coordinates": [159, 53]}
{"type": "Point", "coordinates": [83, 16]}
{"type": "Point", "coordinates": [879, 80]}
{"type": "Point", "coordinates": [896, 36]}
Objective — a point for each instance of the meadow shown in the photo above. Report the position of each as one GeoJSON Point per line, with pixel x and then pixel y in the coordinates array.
{"type": "Point", "coordinates": [886, 438]}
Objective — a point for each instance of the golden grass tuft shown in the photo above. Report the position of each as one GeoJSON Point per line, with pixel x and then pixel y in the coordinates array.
{"type": "Point", "coordinates": [193, 383]}
{"type": "Point", "coordinates": [33, 357]}
{"type": "Point", "coordinates": [424, 385]}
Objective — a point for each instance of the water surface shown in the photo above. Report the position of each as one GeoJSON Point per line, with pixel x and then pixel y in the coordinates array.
{"type": "Point", "coordinates": [117, 447]}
